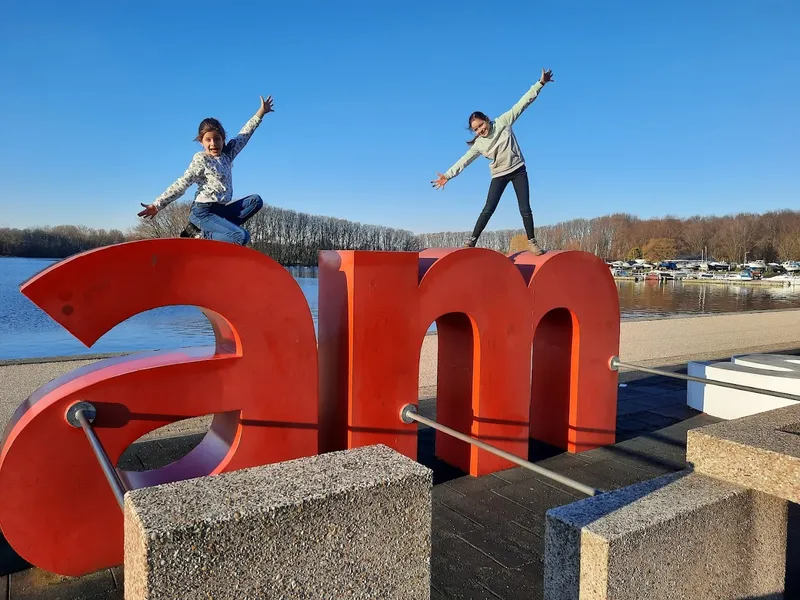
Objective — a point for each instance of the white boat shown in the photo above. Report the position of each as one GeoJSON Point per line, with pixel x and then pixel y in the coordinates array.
{"type": "Point", "coordinates": [674, 274]}
{"type": "Point", "coordinates": [740, 276]}
{"type": "Point", "coordinates": [791, 266]}
{"type": "Point", "coordinates": [715, 266]}
{"type": "Point", "coordinates": [786, 278]}
{"type": "Point", "coordinates": [757, 264]}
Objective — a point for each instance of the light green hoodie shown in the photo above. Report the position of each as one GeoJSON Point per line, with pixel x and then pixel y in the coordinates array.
{"type": "Point", "coordinates": [500, 146]}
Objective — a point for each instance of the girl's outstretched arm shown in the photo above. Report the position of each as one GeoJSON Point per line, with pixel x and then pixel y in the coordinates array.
{"type": "Point", "coordinates": [192, 175]}
{"type": "Point", "coordinates": [233, 147]}
{"type": "Point", "coordinates": [508, 118]}
{"type": "Point", "coordinates": [462, 164]}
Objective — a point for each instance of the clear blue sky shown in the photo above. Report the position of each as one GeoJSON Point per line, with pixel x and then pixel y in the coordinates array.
{"type": "Point", "coordinates": [673, 107]}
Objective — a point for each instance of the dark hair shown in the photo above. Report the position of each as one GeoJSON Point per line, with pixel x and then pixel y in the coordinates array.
{"type": "Point", "coordinates": [476, 115]}
{"type": "Point", "coordinates": [207, 125]}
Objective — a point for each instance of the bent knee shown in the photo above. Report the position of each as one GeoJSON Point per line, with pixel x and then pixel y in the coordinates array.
{"type": "Point", "coordinates": [240, 237]}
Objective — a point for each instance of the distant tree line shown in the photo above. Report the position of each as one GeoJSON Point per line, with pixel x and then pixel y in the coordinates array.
{"type": "Point", "coordinates": [498, 239]}
{"type": "Point", "coordinates": [288, 236]}
{"type": "Point", "coordinates": [771, 236]}
{"type": "Point", "coordinates": [294, 238]}
{"type": "Point", "coordinates": [55, 242]}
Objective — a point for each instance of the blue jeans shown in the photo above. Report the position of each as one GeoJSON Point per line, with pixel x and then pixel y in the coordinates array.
{"type": "Point", "coordinates": [223, 221]}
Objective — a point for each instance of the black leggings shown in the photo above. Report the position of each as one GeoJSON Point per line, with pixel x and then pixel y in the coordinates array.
{"type": "Point", "coordinates": [520, 180]}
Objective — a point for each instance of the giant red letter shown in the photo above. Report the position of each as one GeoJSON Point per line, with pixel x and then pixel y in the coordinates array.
{"type": "Point", "coordinates": [381, 304]}
{"type": "Point", "coordinates": [576, 320]}
{"type": "Point", "coordinates": [56, 509]}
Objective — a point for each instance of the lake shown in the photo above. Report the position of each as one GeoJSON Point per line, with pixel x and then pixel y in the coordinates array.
{"type": "Point", "coordinates": [27, 332]}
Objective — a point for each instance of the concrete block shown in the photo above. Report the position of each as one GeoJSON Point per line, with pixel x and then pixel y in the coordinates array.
{"type": "Point", "coordinates": [352, 524]}
{"type": "Point", "coordinates": [760, 452]}
{"type": "Point", "coordinates": [776, 372]}
{"type": "Point", "coordinates": [682, 535]}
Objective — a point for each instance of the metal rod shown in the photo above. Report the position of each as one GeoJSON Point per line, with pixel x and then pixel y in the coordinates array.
{"type": "Point", "coordinates": [108, 469]}
{"type": "Point", "coordinates": [615, 365]}
{"type": "Point", "coordinates": [409, 413]}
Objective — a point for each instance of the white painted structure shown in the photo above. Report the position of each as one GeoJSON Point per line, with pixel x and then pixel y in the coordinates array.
{"type": "Point", "coordinates": [776, 372]}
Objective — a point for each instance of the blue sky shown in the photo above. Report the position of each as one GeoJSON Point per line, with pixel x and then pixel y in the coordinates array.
{"type": "Point", "coordinates": [657, 108]}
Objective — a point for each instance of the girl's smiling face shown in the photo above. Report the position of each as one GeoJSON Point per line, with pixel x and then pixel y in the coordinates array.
{"type": "Point", "coordinates": [213, 143]}
{"type": "Point", "coordinates": [480, 127]}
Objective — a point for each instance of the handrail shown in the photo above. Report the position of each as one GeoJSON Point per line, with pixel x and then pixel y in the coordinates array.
{"type": "Point", "coordinates": [82, 414]}
{"type": "Point", "coordinates": [615, 365]}
{"type": "Point", "coordinates": [409, 414]}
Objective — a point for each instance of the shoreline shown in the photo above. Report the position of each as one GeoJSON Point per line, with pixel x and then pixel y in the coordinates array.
{"type": "Point", "coordinates": [687, 280]}
{"type": "Point", "coordinates": [660, 343]}
{"type": "Point", "coordinates": [624, 324]}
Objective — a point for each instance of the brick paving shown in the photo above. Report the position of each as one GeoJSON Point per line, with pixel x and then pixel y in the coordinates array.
{"type": "Point", "coordinates": [488, 532]}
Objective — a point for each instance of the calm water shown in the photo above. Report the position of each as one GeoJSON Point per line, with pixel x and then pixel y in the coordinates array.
{"type": "Point", "coordinates": [656, 300]}
{"type": "Point", "coordinates": [26, 332]}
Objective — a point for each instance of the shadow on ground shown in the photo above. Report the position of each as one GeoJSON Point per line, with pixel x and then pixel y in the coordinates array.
{"type": "Point", "coordinates": [488, 532]}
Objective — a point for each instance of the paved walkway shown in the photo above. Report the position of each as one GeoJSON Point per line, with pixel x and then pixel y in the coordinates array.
{"type": "Point", "coordinates": [650, 343]}
{"type": "Point", "coordinates": [488, 531]}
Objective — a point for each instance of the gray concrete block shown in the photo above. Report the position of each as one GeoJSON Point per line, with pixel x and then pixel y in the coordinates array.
{"type": "Point", "coordinates": [761, 451]}
{"type": "Point", "coordinates": [683, 535]}
{"type": "Point", "coordinates": [352, 524]}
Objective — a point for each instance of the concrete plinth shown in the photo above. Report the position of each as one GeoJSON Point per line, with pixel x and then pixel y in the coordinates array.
{"type": "Point", "coordinates": [353, 524]}
{"type": "Point", "coordinates": [761, 451]}
{"type": "Point", "coordinates": [683, 535]}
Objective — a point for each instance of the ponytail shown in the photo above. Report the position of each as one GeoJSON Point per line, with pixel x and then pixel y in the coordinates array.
{"type": "Point", "coordinates": [472, 141]}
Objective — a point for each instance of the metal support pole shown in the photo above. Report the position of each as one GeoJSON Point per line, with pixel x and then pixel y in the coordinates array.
{"type": "Point", "coordinates": [82, 414]}
{"type": "Point", "coordinates": [409, 413]}
{"type": "Point", "coordinates": [615, 365]}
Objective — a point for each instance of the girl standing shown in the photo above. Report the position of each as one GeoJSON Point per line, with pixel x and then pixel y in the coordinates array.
{"type": "Point", "coordinates": [214, 214]}
{"type": "Point", "coordinates": [496, 141]}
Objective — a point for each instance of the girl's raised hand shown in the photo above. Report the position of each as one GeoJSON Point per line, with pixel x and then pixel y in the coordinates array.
{"type": "Point", "coordinates": [547, 76]}
{"type": "Point", "coordinates": [439, 183]}
{"type": "Point", "coordinates": [149, 211]}
{"type": "Point", "coordinates": [266, 106]}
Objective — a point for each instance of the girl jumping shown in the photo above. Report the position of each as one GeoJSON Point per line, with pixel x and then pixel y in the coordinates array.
{"type": "Point", "coordinates": [497, 142]}
{"type": "Point", "coordinates": [214, 214]}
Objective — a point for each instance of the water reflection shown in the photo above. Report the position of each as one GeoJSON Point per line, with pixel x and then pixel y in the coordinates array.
{"type": "Point", "coordinates": [659, 299]}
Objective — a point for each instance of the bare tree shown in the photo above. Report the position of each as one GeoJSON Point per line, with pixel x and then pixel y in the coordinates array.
{"type": "Point", "coordinates": [294, 238]}
{"type": "Point", "coordinates": [168, 223]}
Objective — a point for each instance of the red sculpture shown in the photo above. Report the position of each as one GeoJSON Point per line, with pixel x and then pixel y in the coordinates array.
{"type": "Point", "coordinates": [260, 380]}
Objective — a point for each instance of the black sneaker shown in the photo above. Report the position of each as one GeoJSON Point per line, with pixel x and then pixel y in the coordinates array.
{"type": "Point", "coordinates": [191, 231]}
